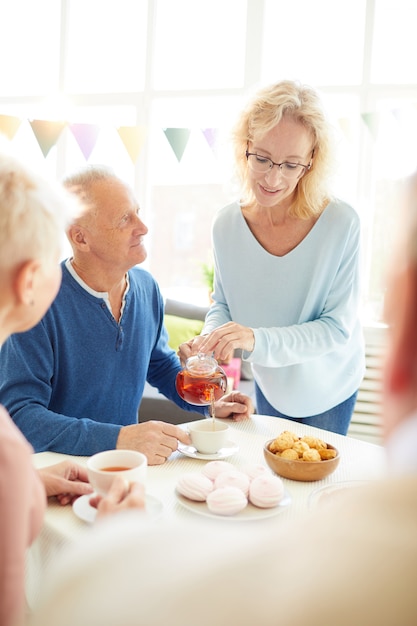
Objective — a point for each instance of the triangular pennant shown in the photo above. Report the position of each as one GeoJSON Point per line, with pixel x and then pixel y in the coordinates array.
{"type": "Point", "coordinates": [9, 125]}
{"type": "Point", "coordinates": [86, 136]}
{"type": "Point", "coordinates": [405, 115]}
{"type": "Point", "coordinates": [345, 124]}
{"type": "Point", "coordinates": [398, 114]}
{"type": "Point", "coordinates": [178, 139]}
{"type": "Point", "coordinates": [47, 133]}
{"type": "Point", "coordinates": [133, 138]}
{"type": "Point", "coordinates": [372, 122]}
{"type": "Point", "coordinates": [210, 134]}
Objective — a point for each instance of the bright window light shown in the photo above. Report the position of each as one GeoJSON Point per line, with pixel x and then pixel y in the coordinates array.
{"type": "Point", "coordinates": [29, 47]}
{"type": "Point", "coordinates": [106, 46]}
{"type": "Point", "coordinates": [395, 42]}
{"type": "Point", "coordinates": [200, 45]}
{"type": "Point", "coordinates": [318, 42]}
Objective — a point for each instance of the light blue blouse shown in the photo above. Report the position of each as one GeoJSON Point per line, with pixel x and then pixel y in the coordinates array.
{"type": "Point", "coordinates": [303, 308]}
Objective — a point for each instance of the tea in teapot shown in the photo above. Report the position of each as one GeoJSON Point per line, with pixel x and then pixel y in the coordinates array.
{"type": "Point", "coordinates": [201, 381]}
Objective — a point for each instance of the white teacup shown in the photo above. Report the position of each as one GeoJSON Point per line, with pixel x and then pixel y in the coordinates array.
{"type": "Point", "coordinates": [104, 466]}
{"type": "Point", "coordinates": [208, 437]}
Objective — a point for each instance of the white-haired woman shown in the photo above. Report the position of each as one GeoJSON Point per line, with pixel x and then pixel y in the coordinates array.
{"type": "Point", "coordinates": [33, 216]}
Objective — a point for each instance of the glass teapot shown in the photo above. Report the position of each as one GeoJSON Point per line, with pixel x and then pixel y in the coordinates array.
{"type": "Point", "coordinates": [201, 381]}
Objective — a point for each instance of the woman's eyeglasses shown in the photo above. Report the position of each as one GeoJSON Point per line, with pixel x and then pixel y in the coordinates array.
{"type": "Point", "coordinates": [262, 165]}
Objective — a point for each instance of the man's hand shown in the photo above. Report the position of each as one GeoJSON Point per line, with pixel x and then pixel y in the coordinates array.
{"type": "Point", "coordinates": [157, 440]}
{"type": "Point", "coordinates": [235, 405]}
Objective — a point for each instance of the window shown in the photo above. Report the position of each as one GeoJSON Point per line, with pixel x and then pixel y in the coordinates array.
{"type": "Point", "coordinates": [106, 46]}
{"type": "Point", "coordinates": [199, 45]}
{"type": "Point", "coordinates": [318, 42]}
{"type": "Point", "coordinates": [152, 88]}
{"type": "Point", "coordinates": [394, 42]}
{"type": "Point", "coordinates": [29, 47]}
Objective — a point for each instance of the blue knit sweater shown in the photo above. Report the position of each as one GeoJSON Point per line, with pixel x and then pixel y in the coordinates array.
{"type": "Point", "coordinates": [71, 382]}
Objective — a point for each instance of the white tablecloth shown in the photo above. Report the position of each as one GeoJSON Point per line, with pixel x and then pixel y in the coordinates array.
{"type": "Point", "coordinates": [359, 461]}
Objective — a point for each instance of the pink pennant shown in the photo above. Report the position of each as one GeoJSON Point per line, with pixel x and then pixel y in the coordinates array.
{"type": "Point", "coordinates": [210, 134]}
{"type": "Point", "coordinates": [86, 136]}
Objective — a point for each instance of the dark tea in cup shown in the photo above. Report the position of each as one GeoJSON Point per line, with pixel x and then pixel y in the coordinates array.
{"type": "Point", "coordinates": [104, 466]}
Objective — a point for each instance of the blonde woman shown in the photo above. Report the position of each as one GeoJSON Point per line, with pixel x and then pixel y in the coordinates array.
{"type": "Point", "coordinates": [287, 264]}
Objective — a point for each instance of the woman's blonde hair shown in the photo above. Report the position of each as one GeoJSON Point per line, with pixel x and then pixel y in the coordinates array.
{"type": "Point", "coordinates": [264, 112]}
{"type": "Point", "coordinates": [33, 214]}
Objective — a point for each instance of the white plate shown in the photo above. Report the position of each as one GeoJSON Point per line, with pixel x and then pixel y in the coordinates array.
{"type": "Point", "coordinates": [329, 494]}
{"type": "Point", "coordinates": [83, 509]}
{"type": "Point", "coordinates": [248, 514]}
{"type": "Point", "coordinates": [229, 450]}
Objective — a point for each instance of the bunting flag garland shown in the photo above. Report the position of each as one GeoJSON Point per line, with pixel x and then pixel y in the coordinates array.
{"type": "Point", "coordinates": [178, 139]}
{"type": "Point", "coordinates": [47, 133]}
{"type": "Point", "coordinates": [9, 125]}
{"type": "Point", "coordinates": [86, 136]}
{"type": "Point", "coordinates": [133, 138]}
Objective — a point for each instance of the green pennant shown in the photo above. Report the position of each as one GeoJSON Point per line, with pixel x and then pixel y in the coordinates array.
{"type": "Point", "coordinates": [178, 139]}
{"type": "Point", "coordinates": [372, 122]}
{"type": "Point", "coordinates": [47, 133]}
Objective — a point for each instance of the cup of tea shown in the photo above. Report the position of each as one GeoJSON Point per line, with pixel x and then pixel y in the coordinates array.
{"type": "Point", "coordinates": [208, 436]}
{"type": "Point", "coordinates": [104, 466]}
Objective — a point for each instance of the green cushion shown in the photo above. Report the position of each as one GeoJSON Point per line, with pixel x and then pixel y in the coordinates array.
{"type": "Point", "coordinates": [181, 329]}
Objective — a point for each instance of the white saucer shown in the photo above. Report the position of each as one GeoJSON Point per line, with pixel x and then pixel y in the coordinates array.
{"type": "Point", "coordinates": [248, 514]}
{"type": "Point", "coordinates": [328, 494]}
{"type": "Point", "coordinates": [83, 509]}
{"type": "Point", "coordinates": [229, 449]}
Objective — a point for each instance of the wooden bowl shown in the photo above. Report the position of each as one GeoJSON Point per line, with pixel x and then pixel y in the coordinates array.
{"type": "Point", "coordinates": [300, 470]}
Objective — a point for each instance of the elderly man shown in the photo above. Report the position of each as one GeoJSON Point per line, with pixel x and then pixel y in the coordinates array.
{"type": "Point", "coordinates": [73, 384]}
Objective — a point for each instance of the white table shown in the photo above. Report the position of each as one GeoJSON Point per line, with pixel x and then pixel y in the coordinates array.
{"type": "Point", "coordinates": [359, 461]}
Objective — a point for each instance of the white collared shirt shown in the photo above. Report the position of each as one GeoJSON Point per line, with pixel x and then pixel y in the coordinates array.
{"type": "Point", "coordinates": [97, 294]}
